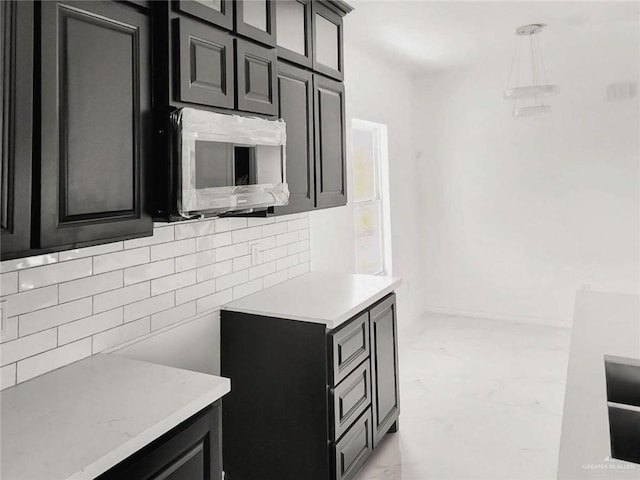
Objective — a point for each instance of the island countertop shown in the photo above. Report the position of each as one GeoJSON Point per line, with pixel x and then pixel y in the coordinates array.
{"type": "Point", "coordinates": [317, 297]}
{"type": "Point", "coordinates": [80, 420]}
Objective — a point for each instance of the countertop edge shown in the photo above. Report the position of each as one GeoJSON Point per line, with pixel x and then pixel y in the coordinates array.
{"type": "Point", "coordinates": [143, 439]}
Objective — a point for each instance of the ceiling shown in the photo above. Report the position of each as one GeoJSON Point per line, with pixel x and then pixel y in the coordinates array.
{"type": "Point", "coordinates": [424, 35]}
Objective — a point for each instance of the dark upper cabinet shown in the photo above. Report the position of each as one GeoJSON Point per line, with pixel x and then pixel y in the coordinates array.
{"type": "Point", "coordinates": [295, 107]}
{"type": "Point", "coordinates": [256, 78]}
{"type": "Point", "coordinates": [217, 12]}
{"type": "Point", "coordinates": [95, 109]}
{"type": "Point", "coordinates": [204, 64]}
{"type": "Point", "coordinates": [327, 39]}
{"type": "Point", "coordinates": [16, 104]}
{"type": "Point", "coordinates": [191, 451]}
{"type": "Point", "coordinates": [384, 372]}
{"type": "Point", "coordinates": [293, 37]}
{"type": "Point", "coordinates": [330, 147]}
{"type": "Point", "coordinates": [256, 19]}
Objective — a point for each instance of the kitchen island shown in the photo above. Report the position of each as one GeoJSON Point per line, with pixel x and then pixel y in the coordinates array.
{"type": "Point", "coordinates": [314, 366]}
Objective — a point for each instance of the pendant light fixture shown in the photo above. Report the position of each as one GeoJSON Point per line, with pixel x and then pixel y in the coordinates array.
{"type": "Point", "coordinates": [527, 83]}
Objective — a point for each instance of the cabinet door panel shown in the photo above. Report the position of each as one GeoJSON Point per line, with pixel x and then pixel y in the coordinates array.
{"type": "Point", "coordinates": [256, 78]}
{"type": "Point", "coordinates": [327, 42]}
{"type": "Point", "coordinates": [205, 64]}
{"type": "Point", "coordinates": [352, 451]}
{"type": "Point", "coordinates": [331, 181]}
{"type": "Point", "coordinates": [217, 12]}
{"type": "Point", "coordinates": [93, 122]}
{"type": "Point", "coordinates": [295, 99]}
{"type": "Point", "coordinates": [16, 103]}
{"type": "Point", "coordinates": [293, 36]}
{"type": "Point", "coordinates": [256, 19]}
{"type": "Point", "coordinates": [384, 358]}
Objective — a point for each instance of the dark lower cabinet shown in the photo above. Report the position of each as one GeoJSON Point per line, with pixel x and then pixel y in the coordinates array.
{"type": "Point", "coordinates": [95, 99]}
{"type": "Point", "coordinates": [191, 451]}
{"type": "Point", "coordinates": [305, 399]}
{"type": "Point", "coordinates": [330, 142]}
{"type": "Point", "coordinates": [295, 107]}
{"type": "Point", "coordinates": [16, 105]}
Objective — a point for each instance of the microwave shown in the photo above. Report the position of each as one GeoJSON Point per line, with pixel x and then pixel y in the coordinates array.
{"type": "Point", "coordinates": [228, 163]}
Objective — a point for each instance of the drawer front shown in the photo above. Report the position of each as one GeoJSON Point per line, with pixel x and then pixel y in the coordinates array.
{"type": "Point", "coordinates": [349, 347]}
{"type": "Point", "coordinates": [350, 453]}
{"type": "Point", "coordinates": [350, 399]}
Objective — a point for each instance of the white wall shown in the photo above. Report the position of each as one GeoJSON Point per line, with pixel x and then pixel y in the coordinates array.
{"type": "Point", "coordinates": [379, 92]}
{"type": "Point", "coordinates": [519, 213]}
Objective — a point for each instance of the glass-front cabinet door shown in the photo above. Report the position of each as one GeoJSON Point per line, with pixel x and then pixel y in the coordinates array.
{"type": "Point", "coordinates": [327, 41]}
{"type": "Point", "coordinates": [217, 12]}
{"type": "Point", "coordinates": [256, 19]}
{"type": "Point", "coordinates": [293, 37]}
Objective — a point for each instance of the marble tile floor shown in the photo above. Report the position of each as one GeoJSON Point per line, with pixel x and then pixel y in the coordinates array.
{"type": "Point", "coordinates": [480, 399]}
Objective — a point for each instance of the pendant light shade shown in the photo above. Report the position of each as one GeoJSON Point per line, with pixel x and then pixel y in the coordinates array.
{"type": "Point", "coordinates": [527, 83]}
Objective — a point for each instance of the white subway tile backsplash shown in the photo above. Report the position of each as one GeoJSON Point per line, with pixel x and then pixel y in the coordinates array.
{"type": "Point", "coordinates": [121, 334]}
{"type": "Point", "coordinates": [213, 241]}
{"type": "Point", "coordinates": [122, 296]}
{"type": "Point", "coordinates": [286, 262]}
{"type": "Point", "coordinates": [298, 270]}
{"type": "Point", "coordinates": [8, 283]}
{"type": "Point", "coordinates": [240, 263]}
{"type": "Point", "coordinates": [149, 306]}
{"type": "Point", "coordinates": [31, 300]}
{"type": "Point", "coordinates": [262, 270]}
{"type": "Point", "coordinates": [85, 327]}
{"type": "Point", "coordinates": [173, 315]}
{"type": "Point", "coordinates": [173, 282]}
{"type": "Point", "coordinates": [246, 234]}
{"type": "Point", "coordinates": [90, 286]}
{"type": "Point", "coordinates": [286, 238]}
{"type": "Point", "coordinates": [247, 288]}
{"type": "Point", "coordinates": [208, 272]}
{"type": "Point", "coordinates": [47, 361]}
{"type": "Point", "coordinates": [275, 278]}
{"type": "Point", "coordinates": [7, 376]}
{"type": "Point", "coordinates": [274, 229]}
{"type": "Point", "coordinates": [148, 271]}
{"type": "Point", "coordinates": [53, 274]}
{"type": "Point", "coordinates": [118, 260]}
{"type": "Point", "coordinates": [196, 228]}
{"type": "Point", "coordinates": [160, 235]}
{"type": "Point", "coordinates": [231, 280]}
{"type": "Point", "coordinates": [230, 223]}
{"type": "Point", "coordinates": [28, 262]}
{"type": "Point", "coordinates": [64, 306]}
{"type": "Point", "coordinates": [53, 316]}
{"type": "Point", "coordinates": [9, 330]}
{"type": "Point", "coordinates": [211, 302]}
{"type": "Point", "coordinates": [90, 251]}
{"type": "Point", "coordinates": [232, 251]}
{"type": "Point", "coordinates": [172, 249]}
{"type": "Point", "coordinates": [28, 346]}
{"type": "Point", "coordinates": [195, 291]}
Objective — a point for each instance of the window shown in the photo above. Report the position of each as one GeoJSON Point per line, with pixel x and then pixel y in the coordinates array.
{"type": "Point", "coordinates": [370, 197]}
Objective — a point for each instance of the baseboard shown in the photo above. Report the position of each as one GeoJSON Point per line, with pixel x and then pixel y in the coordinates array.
{"type": "Point", "coordinates": [530, 319]}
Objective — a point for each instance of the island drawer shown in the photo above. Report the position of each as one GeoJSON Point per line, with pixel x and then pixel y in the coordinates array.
{"type": "Point", "coordinates": [348, 348]}
{"type": "Point", "coordinates": [349, 399]}
{"type": "Point", "coordinates": [352, 451]}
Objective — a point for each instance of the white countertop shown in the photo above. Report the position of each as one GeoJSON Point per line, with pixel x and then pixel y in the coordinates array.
{"type": "Point", "coordinates": [80, 420]}
{"type": "Point", "coordinates": [604, 323]}
{"type": "Point", "coordinates": [318, 297]}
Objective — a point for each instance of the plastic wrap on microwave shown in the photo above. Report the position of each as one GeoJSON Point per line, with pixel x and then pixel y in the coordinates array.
{"type": "Point", "coordinates": [190, 126]}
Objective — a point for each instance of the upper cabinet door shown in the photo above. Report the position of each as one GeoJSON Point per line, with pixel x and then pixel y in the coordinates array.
{"type": "Point", "coordinates": [16, 104]}
{"type": "Point", "coordinates": [217, 12]}
{"type": "Point", "coordinates": [95, 109]}
{"type": "Point", "coordinates": [293, 36]}
{"type": "Point", "coordinates": [205, 64]}
{"type": "Point", "coordinates": [327, 41]}
{"type": "Point", "coordinates": [295, 98]}
{"type": "Point", "coordinates": [256, 78]}
{"type": "Point", "coordinates": [331, 179]}
{"type": "Point", "coordinates": [256, 19]}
